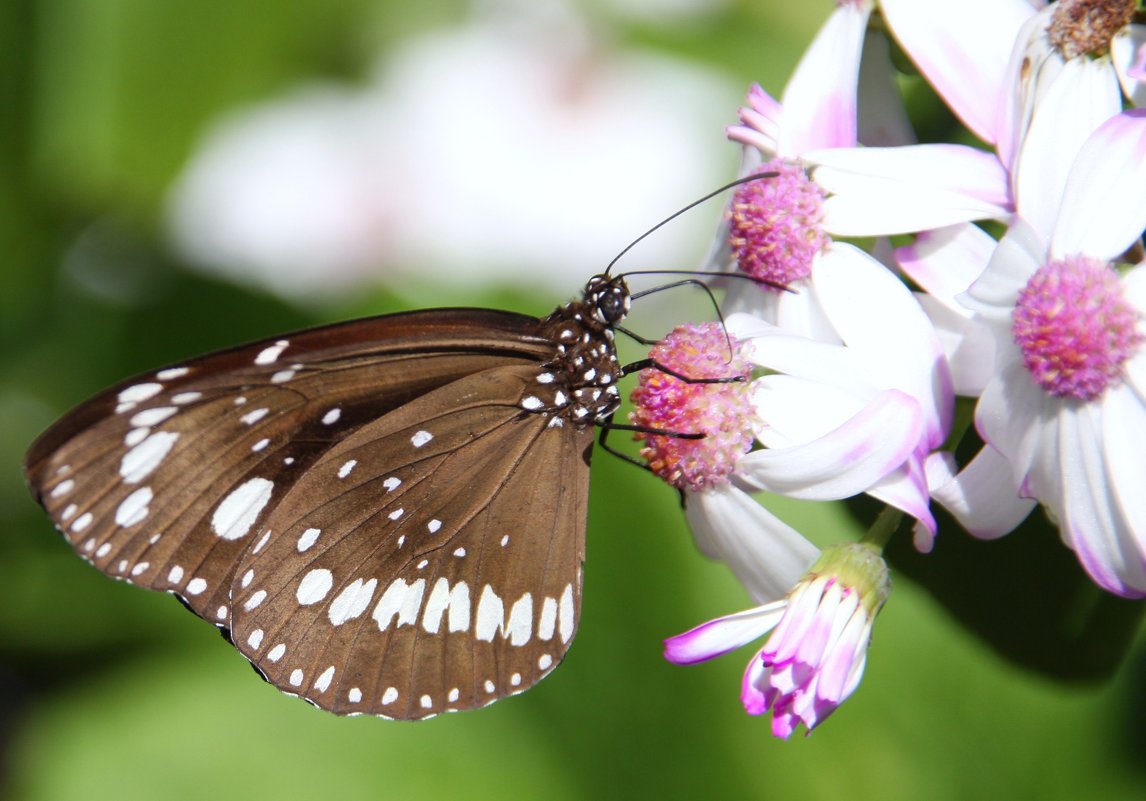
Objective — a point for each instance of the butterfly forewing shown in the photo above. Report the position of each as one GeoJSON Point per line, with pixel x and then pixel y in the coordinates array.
{"type": "Point", "coordinates": [160, 480]}
{"type": "Point", "coordinates": [411, 584]}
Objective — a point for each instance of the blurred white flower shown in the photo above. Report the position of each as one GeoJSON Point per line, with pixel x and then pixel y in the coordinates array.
{"type": "Point", "coordinates": [523, 152]}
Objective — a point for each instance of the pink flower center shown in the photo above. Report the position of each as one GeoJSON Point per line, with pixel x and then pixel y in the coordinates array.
{"type": "Point", "coordinates": [719, 411]}
{"type": "Point", "coordinates": [1075, 328]}
{"type": "Point", "coordinates": [775, 227]}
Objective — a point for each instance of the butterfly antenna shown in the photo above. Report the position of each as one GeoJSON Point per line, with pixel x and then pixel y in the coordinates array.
{"type": "Point", "coordinates": [746, 179]}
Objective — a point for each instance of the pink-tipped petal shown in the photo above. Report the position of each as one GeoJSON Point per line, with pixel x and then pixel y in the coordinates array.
{"type": "Point", "coordinates": [963, 50]}
{"type": "Point", "coordinates": [724, 634]}
{"type": "Point", "coordinates": [820, 98]}
{"type": "Point", "coordinates": [1104, 205]}
{"type": "Point", "coordinates": [946, 261]}
{"type": "Point", "coordinates": [846, 461]}
{"type": "Point", "coordinates": [983, 496]}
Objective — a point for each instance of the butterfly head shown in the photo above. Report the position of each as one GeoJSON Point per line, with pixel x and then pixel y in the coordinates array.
{"type": "Point", "coordinates": [608, 299]}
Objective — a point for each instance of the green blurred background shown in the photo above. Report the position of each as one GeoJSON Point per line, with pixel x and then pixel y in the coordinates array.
{"type": "Point", "coordinates": [112, 692]}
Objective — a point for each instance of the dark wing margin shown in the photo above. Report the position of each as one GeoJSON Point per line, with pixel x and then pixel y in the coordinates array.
{"type": "Point", "coordinates": [429, 562]}
{"type": "Point", "coordinates": [163, 480]}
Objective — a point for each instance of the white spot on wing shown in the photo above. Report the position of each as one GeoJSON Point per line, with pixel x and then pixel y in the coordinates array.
{"type": "Point", "coordinates": [460, 552]}
{"type": "Point", "coordinates": [545, 378]}
{"type": "Point", "coordinates": [421, 438]}
{"type": "Point", "coordinates": [548, 622]}
{"type": "Point", "coordinates": [426, 701]}
{"type": "Point", "coordinates": [136, 436]}
{"type": "Point", "coordinates": [153, 417]}
{"type": "Point", "coordinates": [262, 542]}
{"type": "Point", "coordinates": [270, 354]}
{"type": "Point", "coordinates": [172, 372]}
{"type": "Point", "coordinates": [186, 397]}
{"type": "Point", "coordinates": [69, 510]}
{"type": "Point", "coordinates": [392, 483]}
{"type": "Point", "coordinates": [196, 586]}
{"type": "Point", "coordinates": [490, 615]}
{"type": "Point", "coordinates": [453, 695]}
{"type": "Point", "coordinates": [258, 446]}
{"type": "Point", "coordinates": [314, 586]}
{"type": "Point", "coordinates": [103, 550]}
{"type": "Point", "coordinates": [176, 575]}
{"type": "Point", "coordinates": [256, 639]}
{"type": "Point", "coordinates": [296, 677]}
{"type": "Point", "coordinates": [347, 466]}
{"type": "Point", "coordinates": [434, 525]}
{"type": "Point", "coordinates": [134, 508]}
{"type": "Point", "coordinates": [396, 514]}
{"type": "Point", "coordinates": [277, 653]}
{"type": "Point", "coordinates": [401, 599]}
{"type": "Point", "coordinates": [141, 461]}
{"type": "Point", "coordinates": [545, 661]}
{"type": "Point", "coordinates": [520, 626]}
{"type": "Point", "coordinates": [82, 522]}
{"type": "Point", "coordinates": [565, 614]}
{"type": "Point", "coordinates": [140, 568]}
{"type": "Point", "coordinates": [390, 696]}
{"type": "Point", "coordinates": [282, 376]}
{"type": "Point", "coordinates": [308, 538]}
{"type": "Point", "coordinates": [331, 417]}
{"type": "Point", "coordinates": [323, 681]}
{"type": "Point", "coordinates": [236, 514]}
{"type": "Point", "coordinates": [139, 392]}
{"type": "Point", "coordinates": [489, 686]}
{"type": "Point", "coordinates": [352, 601]}
{"type": "Point", "coordinates": [255, 600]}
{"type": "Point", "coordinates": [459, 614]}
{"type": "Point", "coordinates": [247, 578]}
{"type": "Point", "coordinates": [354, 696]}
{"type": "Point", "coordinates": [254, 416]}
{"type": "Point", "coordinates": [531, 403]}
{"type": "Point", "coordinates": [515, 679]}
{"type": "Point", "coordinates": [63, 488]}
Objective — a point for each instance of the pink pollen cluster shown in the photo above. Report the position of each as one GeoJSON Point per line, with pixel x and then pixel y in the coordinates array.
{"type": "Point", "coordinates": [775, 224]}
{"type": "Point", "coordinates": [720, 411]}
{"type": "Point", "coordinates": [1075, 328]}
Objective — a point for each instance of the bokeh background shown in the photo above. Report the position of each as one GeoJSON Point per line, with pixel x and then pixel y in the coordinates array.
{"type": "Point", "coordinates": [176, 177]}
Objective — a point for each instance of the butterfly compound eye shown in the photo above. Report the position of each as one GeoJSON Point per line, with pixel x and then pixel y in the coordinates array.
{"type": "Point", "coordinates": [612, 304]}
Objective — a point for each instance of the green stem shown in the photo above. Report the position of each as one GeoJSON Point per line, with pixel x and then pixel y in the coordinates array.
{"type": "Point", "coordinates": [881, 530]}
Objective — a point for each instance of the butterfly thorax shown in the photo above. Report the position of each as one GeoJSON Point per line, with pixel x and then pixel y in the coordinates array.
{"type": "Point", "coordinates": [579, 383]}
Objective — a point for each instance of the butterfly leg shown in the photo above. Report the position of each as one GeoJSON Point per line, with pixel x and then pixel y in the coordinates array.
{"type": "Point", "coordinates": [643, 364]}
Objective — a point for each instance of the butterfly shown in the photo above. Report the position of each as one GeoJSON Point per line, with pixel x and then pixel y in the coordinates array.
{"type": "Point", "coordinates": [385, 516]}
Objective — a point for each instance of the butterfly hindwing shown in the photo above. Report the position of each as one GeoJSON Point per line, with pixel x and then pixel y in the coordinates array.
{"type": "Point", "coordinates": [438, 571]}
{"type": "Point", "coordinates": [161, 479]}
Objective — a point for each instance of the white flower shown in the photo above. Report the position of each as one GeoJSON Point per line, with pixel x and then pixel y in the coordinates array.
{"type": "Point", "coordinates": [1066, 407]}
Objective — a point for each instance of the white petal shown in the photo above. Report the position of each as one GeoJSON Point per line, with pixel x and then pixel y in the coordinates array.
{"type": "Point", "coordinates": [792, 411]}
{"type": "Point", "coordinates": [1104, 207]}
{"type": "Point", "coordinates": [905, 488]}
{"type": "Point", "coordinates": [724, 634]}
{"type": "Point", "coordinates": [962, 49]}
{"type": "Point", "coordinates": [881, 322]}
{"type": "Point", "coordinates": [846, 461]}
{"type": "Point", "coordinates": [767, 555]}
{"type": "Point", "coordinates": [946, 261]}
{"type": "Point", "coordinates": [820, 98]}
{"type": "Point", "coordinates": [1096, 530]}
{"type": "Point", "coordinates": [1016, 258]}
{"type": "Point", "coordinates": [892, 190]}
{"type": "Point", "coordinates": [983, 496]}
{"type": "Point", "coordinates": [1082, 98]}
{"type": "Point", "coordinates": [775, 349]}
{"type": "Point", "coordinates": [1123, 434]}
{"type": "Point", "coordinates": [1009, 416]}
{"type": "Point", "coordinates": [969, 346]}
